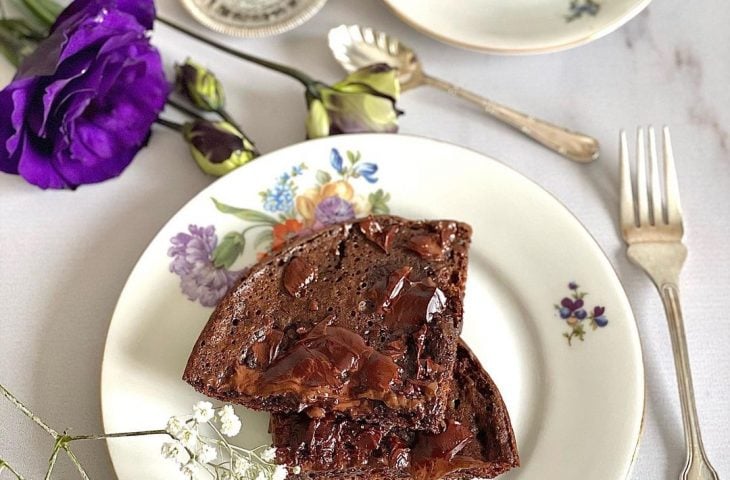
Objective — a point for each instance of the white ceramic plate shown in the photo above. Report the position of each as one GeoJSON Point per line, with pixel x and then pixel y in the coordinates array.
{"type": "Point", "coordinates": [517, 26]}
{"type": "Point", "coordinates": [576, 408]}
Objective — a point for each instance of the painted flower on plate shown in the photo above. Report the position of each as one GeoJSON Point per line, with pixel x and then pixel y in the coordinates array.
{"type": "Point", "coordinates": [200, 280]}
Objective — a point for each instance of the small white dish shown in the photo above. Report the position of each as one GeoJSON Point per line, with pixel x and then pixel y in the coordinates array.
{"type": "Point", "coordinates": [517, 26]}
{"type": "Point", "coordinates": [252, 18]}
{"type": "Point", "coordinates": [576, 408]}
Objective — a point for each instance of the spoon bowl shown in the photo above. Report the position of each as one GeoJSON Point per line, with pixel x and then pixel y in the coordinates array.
{"type": "Point", "coordinates": [355, 47]}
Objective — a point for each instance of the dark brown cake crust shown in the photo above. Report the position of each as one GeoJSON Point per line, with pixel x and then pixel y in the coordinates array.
{"type": "Point", "coordinates": [361, 318]}
{"type": "Point", "coordinates": [478, 440]}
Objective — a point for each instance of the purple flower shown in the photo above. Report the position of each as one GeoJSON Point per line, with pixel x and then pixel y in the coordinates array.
{"type": "Point", "coordinates": [333, 210]}
{"type": "Point", "coordinates": [565, 313]}
{"type": "Point", "coordinates": [598, 316]}
{"type": "Point", "coordinates": [571, 304]}
{"type": "Point", "coordinates": [82, 104]}
{"type": "Point", "coordinates": [142, 10]}
{"type": "Point", "coordinates": [580, 314]}
{"type": "Point", "coordinates": [200, 280]}
{"type": "Point", "coordinates": [573, 286]}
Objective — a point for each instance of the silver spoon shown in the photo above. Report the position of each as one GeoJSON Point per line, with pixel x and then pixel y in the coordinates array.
{"type": "Point", "coordinates": [355, 47]}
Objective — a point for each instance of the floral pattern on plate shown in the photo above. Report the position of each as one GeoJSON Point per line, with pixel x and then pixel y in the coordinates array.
{"type": "Point", "coordinates": [578, 8]}
{"type": "Point", "coordinates": [203, 261]}
{"type": "Point", "coordinates": [572, 310]}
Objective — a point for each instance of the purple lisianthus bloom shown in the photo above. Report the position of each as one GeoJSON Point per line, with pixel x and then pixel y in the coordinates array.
{"type": "Point", "coordinates": [333, 210]}
{"type": "Point", "coordinates": [191, 255]}
{"type": "Point", "coordinates": [82, 104]}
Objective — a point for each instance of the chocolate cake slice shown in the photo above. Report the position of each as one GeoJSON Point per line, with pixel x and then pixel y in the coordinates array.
{"type": "Point", "coordinates": [478, 440]}
{"type": "Point", "coordinates": [361, 318]}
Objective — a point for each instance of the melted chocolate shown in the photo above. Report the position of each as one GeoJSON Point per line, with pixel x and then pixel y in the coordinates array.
{"type": "Point", "coordinates": [434, 245]}
{"type": "Point", "coordinates": [374, 231]}
{"type": "Point", "coordinates": [328, 360]}
{"type": "Point", "coordinates": [265, 351]}
{"type": "Point", "coordinates": [406, 304]}
{"type": "Point", "coordinates": [297, 275]}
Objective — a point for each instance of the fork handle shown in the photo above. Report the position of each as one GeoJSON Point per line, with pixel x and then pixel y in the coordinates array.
{"type": "Point", "coordinates": [575, 146]}
{"type": "Point", "coordinates": [697, 466]}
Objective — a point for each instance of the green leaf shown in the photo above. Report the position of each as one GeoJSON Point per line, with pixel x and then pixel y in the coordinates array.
{"type": "Point", "coordinates": [379, 202]}
{"type": "Point", "coordinates": [263, 237]}
{"type": "Point", "coordinates": [228, 251]}
{"type": "Point", "coordinates": [245, 213]}
{"type": "Point", "coordinates": [45, 11]}
{"type": "Point", "coordinates": [353, 157]}
{"type": "Point", "coordinates": [323, 177]}
{"type": "Point", "coordinates": [18, 39]}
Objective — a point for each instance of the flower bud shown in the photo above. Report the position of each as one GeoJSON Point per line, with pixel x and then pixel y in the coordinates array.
{"type": "Point", "coordinates": [318, 122]}
{"type": "Point", "coordinates": [363, 102]}
{"type": "Point", "coordinates": [199, 85]}
{"type": "Point", "coordinates": [218, 147]}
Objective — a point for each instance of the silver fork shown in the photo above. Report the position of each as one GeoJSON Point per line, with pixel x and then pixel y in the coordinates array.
{"type": "Point", "coordinates": [653, 231]}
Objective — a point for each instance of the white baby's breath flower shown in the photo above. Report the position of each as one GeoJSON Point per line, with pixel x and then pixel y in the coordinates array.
{"type": "Point", "coordinates": [280, 473]}
{"type": "Point", "coordinates": [203, 411]}
{"type": "Point", "coordinates": [230, 423]}
{"type": "Point", "coordinates": [296, 470]}
{"type": "Point", "coordinates": [191, 470]}
{"type": "Point", "coordinates": [189, 438]}
{"type": "Point", "coordinates": [268, 455]}
{"type": "Point", "coordinates": [262, 476]}
{"type": "Point", "coordinates": [175, 426]}
{"type": "Point", "coordinates": [205, 453]}
{"type": "Point", "coordinates": [175, 451]}
{"type": "Point", "coordinates": [241, 466]}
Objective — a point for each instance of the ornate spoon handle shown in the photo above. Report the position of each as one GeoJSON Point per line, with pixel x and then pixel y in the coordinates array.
{"type": "Point", "coordinates": [575, 146]}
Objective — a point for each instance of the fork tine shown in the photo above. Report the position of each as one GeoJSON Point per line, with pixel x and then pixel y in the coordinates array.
{"type": "Point", "coordinates": [641, 185]}
{"type": "Point", "coordinates": [628, 219]}
{"type": "Point", "coordinates": [674, 209]}
{"type": "Point", "coordinates": [656, 189]}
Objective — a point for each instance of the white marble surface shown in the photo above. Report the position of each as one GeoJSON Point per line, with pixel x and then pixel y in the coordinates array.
{"type": "Point", "coordinates": [64, 256]}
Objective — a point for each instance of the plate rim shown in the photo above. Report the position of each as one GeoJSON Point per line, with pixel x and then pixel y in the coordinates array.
{"type": "Point", "coordinates": [408, 137]}
{"type": "Point", "coordinates": [517, 51]}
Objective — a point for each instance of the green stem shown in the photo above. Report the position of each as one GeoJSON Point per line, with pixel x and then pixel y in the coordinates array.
{"type": "Point", "coordinates": [246, 230]}
{"type": "Point", "coordinates": [306, 80]}
{"type": "Point", "coordinates": [228, 118]}
{"type": "Point", "coordinates": [52, 460]}
{"type": "Point", "coordinates": [189, 111]}
{"type": "Point", "coordinates": [19, 405]}
{"type": "Point", "coordinates": [76, 462]}
{"type": "Point", "coordinates": [170, 124]}
{"type": "Point", "coordinates": [4, 464]}
{"type": "Point", "coordinates": [118, 435]}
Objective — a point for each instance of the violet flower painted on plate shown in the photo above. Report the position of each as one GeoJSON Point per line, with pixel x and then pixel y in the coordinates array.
{"type": "Point", "coordinates": [572, 309]}
{"type": "Point", "coordinates": [203, 260]}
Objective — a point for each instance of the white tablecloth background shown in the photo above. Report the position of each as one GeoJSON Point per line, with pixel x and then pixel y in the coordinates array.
{"type": "Point", "coordinates": [65, 256]}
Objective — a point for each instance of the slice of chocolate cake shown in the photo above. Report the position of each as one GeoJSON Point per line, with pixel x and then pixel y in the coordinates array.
{"type": "Point", "coordinates": [361, 318]}
{"type": "Point", "coordinates": [478, 440]}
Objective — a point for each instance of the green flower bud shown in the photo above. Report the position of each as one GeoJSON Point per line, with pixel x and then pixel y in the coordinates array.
{"type": "Point", "coordinates": [363, 102]}
{"type": "Point", "coordinates": [199, 85]}
{"type": "Point", "coordinates": [218, 147]}
{"type": "Point", "coordinates": [380, 77]}
{"type": "Point", "coordinates": [318, 123]}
